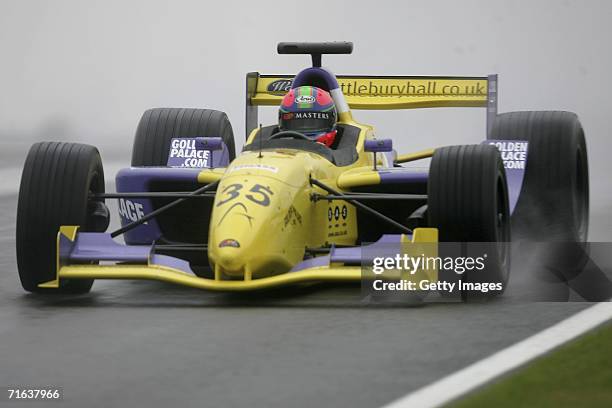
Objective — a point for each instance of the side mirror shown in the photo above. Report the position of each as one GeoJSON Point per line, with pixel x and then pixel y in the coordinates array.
{"type": "Point", "coordinates": [211, 144]}
{"type": "Point", "coordinates": [378, 146]}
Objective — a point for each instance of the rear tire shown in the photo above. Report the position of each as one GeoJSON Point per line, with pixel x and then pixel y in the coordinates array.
{"type": "Point", "coordinates": [159, 126]}
{"type": "Point", "coordinates": [468, 202]}
{"type": "Point", "coordinates": [187, 222]}
{"type": "Point", "coordinates": [554, 200]}
{"type": "Point", "coordinates": [55, 186]}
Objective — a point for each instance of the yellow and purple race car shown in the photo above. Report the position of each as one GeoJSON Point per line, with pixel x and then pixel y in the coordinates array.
{"type": "Point", "coordinates": [295, 206]}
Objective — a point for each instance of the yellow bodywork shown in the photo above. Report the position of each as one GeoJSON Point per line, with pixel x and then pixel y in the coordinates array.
{"type": "Point", "coordinates": [423, 154]}
{"type": "Point", "coordinates": [264, 217]}
{"type": "Point", "coordinates": [392, 92]}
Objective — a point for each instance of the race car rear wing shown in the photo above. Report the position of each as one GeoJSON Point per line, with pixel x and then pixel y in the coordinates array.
{"type": "Point", "coordinates": [382, 93]}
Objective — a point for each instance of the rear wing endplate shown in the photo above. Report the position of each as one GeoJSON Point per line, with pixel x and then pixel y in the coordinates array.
{"type": "Point", "coordinates": [383, 93]}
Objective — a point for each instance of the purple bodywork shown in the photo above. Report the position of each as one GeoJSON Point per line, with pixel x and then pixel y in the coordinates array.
{"type": "Point", "coordinates": [139, 179]}
{"type": "Point", "coordinates": [98, 246]}
{"type": "Point", "coordinates": [351, 255]}
{"type": "Point", "coordinates": [514, 156]}
{"type": "Point", "coordinates": [399, 175]}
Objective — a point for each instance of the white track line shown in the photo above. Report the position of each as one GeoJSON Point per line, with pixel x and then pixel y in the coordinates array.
{"type": "Point", "coordinates": [483, 371]}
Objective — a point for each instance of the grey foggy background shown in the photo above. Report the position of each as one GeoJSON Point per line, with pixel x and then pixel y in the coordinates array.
{"type": "Point", "coordinates": [86, 70]}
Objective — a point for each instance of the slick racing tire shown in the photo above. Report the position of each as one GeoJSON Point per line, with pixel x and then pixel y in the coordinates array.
{"type": "Point", "coordinates": [187, 222]}
{"type": "Point", "coordinates": [468, 202]}
{"type": "Point", "coordinates": [159, 126]}
{"type": "Point", "coordinates": [56, 184]}
{"type": "Point", "coordinates": [554, 200]}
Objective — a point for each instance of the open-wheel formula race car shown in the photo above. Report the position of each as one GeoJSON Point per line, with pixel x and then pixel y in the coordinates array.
{"type": "Point", "coordinates": [288, 210]}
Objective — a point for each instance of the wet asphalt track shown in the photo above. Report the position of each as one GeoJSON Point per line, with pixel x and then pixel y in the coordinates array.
{"type": "Point", "coordinates": [146, 343]}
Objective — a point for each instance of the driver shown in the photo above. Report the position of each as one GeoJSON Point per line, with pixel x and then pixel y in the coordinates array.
{"type": "Point", "coordinates": [311, 111]}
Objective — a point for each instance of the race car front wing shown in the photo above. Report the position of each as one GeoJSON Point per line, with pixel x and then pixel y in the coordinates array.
{"type": "Point", "coordinates": [94, 255]}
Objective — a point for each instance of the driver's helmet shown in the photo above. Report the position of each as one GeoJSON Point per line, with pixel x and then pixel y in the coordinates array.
{"type": "Point", "coordinates": [311, 111]}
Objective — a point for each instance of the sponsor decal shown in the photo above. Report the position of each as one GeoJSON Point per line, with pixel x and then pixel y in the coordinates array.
{"type": "Point", "coordinates": [414, 87]}
{"type": "Point", "coordinates": [305, 99]}
{"type": "Point", "coordinates": [311, 115]}
{"type": "Point", "coordinates": [335, 212]}
{"type": "Point", "coordinates": [184, 152]}
{"type": "Point", "coordinates": [514, 154]}
{"type": "Point", "coordinates": [337, 215]}
{"type": "Point", "coordinates": [232, 243]}
{"type": "Point", "coordinates": [130, 210]}
{"type": "Point", "coordinates": [254, 166]}
{"type": "Point", "coordinates": [280, 85]}
{"type": "Point", "coordinates": [258, 194]}
{"type": "Point", "coordinates": [401, 87]}
{"type": "Point", "coordinates": [292, 217]}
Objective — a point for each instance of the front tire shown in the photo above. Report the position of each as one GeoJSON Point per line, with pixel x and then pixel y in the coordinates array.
{"type": "Point", "coordinates": [468, 202]}
{"type": "Point", "coordinates": [56, 183]}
